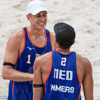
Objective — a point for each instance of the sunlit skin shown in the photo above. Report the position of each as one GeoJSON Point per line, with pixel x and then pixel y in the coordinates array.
{"type": "Point", "coordinates": [38, 21]}
{"type": "Point", "coordinates": [32, 35]}
{"type": "Point", "coordinates": [42, 70]}
{"type": "Point", "coordinates": [16, 42]}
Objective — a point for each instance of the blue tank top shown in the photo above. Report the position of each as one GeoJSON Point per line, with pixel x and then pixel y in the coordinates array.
{"type": "Point", "coordinates": [63, 81]}
{"type": "Point", "coordinates": [24, 90]}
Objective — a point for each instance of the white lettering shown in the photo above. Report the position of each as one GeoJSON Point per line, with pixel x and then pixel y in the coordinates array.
{"type": "Point", "coordinates": [69, 75]}
{"type": "Point", "coordinates": [58, 88]}
{"type": "Point", "coordinates": [67, 89]}
{"type": "Point", "coordinates": [64, 89]}
{"type": "Point", "coordinates": [61, 74]}
{"type": "Point", "coordinates": [53, 87]}
{"type": "Point", "coordinates": [56, 73]}
{"type": "Point", "coordinates": [72, 90]}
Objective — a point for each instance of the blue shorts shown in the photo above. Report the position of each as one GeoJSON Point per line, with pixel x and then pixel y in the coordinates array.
{"type": "Point", "coordinates": [20, 91]}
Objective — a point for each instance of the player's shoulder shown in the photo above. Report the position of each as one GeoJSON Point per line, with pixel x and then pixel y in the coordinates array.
{"type": "Point", "coordinates": [17, 35]}
{"type": "Point", "coordinates": [16, 39]}
{"type": "Point", "coordinates": [43, 58]}
{"type": "Point", "coordinates": [52, 34]}
{"type": "Point", "coordinates": [53, 39]}
{"type": "Point", "coordinates": [83, 60]}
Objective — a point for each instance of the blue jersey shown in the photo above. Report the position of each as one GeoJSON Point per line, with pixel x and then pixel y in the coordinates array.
{"type": "Point", "coordinates": [62, 82]}
{"type": "Point", "coordinates": [24, 90]}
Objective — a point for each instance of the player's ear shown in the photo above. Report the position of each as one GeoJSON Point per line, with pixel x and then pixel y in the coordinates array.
{"type": "Point", "coordinates": [28, 17]}
{"type": "Point", "coordinates": [57, 44]}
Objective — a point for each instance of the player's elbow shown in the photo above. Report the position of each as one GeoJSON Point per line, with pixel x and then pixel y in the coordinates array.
{"type": "Point", "coordinates": [4, 76]}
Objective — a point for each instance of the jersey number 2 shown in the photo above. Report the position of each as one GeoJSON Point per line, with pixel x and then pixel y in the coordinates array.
{"type": "Point", "coordinates": [63, 61]}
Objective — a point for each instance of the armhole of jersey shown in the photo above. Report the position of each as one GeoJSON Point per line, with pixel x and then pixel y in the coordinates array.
{"type": "Point", "coordinates": [79, 83]}
{"type": "Point", "coordinates": [17, 60]}
{"type": "Point", "coordinates": [24, 43]}
{"type": "Point", "coordinates": [78, 75]}
{"type": "Point", "coordinates": [45, 37]}
{"type": "Point", "coordinates": [79, 96]}
{"type": "Point", "coordinates": [79, 79]}
{"type": "Point", "coordinates": [51, 40]}
{"type": "Point", "coordinates": [49, 70]}
{"type": "Point", "coordinates": [22, 49]}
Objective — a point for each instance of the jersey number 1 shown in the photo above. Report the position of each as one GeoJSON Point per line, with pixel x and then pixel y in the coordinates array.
{"type": "Point", "coordinates": [29, 56]}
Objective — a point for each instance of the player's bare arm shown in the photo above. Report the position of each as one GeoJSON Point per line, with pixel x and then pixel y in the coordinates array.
{"type": "Point", "coordinates": [84, 69]}
{"type": "Point", "coordinates": [41, 70]}
{"type": "Point", "coordinates": [13, 49]}
{"type": "Point", "coordinates": [37, 80]}
{"type": "Point", "coordinates": [88, 81]}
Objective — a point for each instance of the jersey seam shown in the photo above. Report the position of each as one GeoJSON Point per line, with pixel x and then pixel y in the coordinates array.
{"type": "Point", "coordinates": [49, 70]}
{"type": "Point", "coordinates": [51, 40]}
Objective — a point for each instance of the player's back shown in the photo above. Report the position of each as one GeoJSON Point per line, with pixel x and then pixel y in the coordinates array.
{"type": "Point", "coordinates": [63, 81]}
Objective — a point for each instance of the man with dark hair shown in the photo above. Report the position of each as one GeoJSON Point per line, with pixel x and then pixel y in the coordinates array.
{"type": "Point", "coordinates": [58, 75]}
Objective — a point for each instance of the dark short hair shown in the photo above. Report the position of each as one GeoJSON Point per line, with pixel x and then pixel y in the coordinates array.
{"type": "Point", "coordinates": [65, 35]}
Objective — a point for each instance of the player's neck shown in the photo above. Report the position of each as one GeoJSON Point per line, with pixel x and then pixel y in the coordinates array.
{"type": "Point", "coordinates": [63, 51]}
{"type": "Point", "coordinates": [36, 32]}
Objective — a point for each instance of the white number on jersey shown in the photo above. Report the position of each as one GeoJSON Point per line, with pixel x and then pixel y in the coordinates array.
{"type": "Point", "coordinates": [29, 57]}
{"type": "Point", "coordinates": [63, 61]}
